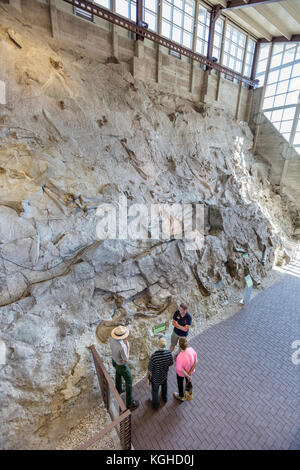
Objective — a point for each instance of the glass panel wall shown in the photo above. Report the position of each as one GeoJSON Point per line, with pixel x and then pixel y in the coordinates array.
{"type": "Point", "coordinates": [283, 88]}
{"type": "Point", "coordinates": [178, 21]}
{"type": "Point", "coordinates": [202, 30]}
{"type": "Point", "coordinates": [234, 49]}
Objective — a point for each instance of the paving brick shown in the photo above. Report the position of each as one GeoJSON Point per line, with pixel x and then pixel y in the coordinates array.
{"type": "Point", "coordinates": [246, 387]}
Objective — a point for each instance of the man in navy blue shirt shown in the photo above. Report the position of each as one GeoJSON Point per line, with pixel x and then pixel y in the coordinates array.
{"type": "Point", "coordinates": [182, 321]}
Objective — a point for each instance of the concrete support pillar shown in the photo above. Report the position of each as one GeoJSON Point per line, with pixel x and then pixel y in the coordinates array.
{"type": "Point", "coordinates": [139, 49]}
{"type": "Point", "coordinates": [194, 47]}
{"type": "Point", "coordinates": [204, 88]}
{"type": "Point", "coordinates": [114, 42]}
{"type": "Point", "coordinates": [159, 61]}
{"type": "Point", "coordinates": [139, 16]}
{"type": "Point", "coordinates": [219, 82]}
{"type": "Point", "coordinates": [53, 18]}
{"type": "Point", "coordinates": [114, 36]}
{"type": "Point", "coordinates": [138, 63]}
{"type": "Point", "coordinates": [159, 52]}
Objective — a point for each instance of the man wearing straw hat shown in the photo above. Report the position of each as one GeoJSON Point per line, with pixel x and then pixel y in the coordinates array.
{"type": "Point", "coordinates": [120, 353]}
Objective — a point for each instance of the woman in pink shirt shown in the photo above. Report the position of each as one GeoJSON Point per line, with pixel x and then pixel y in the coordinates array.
{"type": "Point", "coordinates": [185, 366]}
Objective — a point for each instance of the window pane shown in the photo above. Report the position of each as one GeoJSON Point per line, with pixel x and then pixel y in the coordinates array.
{"type": "Point", "coordinates": [270, 90]}
{"type": "Point", "coordinates": [292, 97]}
{"type": "Point", "coordinates": [268, 103]}
{"type": "Point", "coordinates": [166, 11]}
{"type": "Point", "coordinates": [219, 26]}
{"type": "Point", "coordinates": [176, 34]}
{"type": "Point", "coordinates": [178, 3]}
{"type": "Point", "coordinates": [177, 17]}
{"type": "Point", "coordinates": [188, 23]}
{"type": "Point", "coordinates": [288, 113]}
{"type": "Point", "coordinates": [277, 115]}
{"type": "Point", "coordinates": [286, 126]}
{"type": "Point", "coordinates": [226, 59]}
{"type": "Point", "coordinates": [277, 48]}
{"type": "Point", "coordinates": [103, 3]}
{"type": "Point", "coordinates": [151, 5]}
{"type": "Point", "coordinates": [282, 87]}
{"type": "Point", "coordinates": [296, 71]}
{"type": "Point", "coordinates": [276, 60]}
{"type": "Point", "coordinates": [122, 8]}
{"type": "Point", "coordinates": [297, 138]}
{"type": "Point", "coordinates": [166, 29]}
{"type": "Point", "coordinates": [285, 73]}
{"type": "Point", "coordinates": [273, 76]}
{"type": "Point", "coordinates": [150, 18]}
{"type": "Point", "coordinates": [248, 70]}
{"type": "Point", "coordinates": [289, 55]}
{"type": "Point", "coordinates": [261, 66]}
{"type": "Point", "coordinates": [201, 47]}
{"type": "Point", "coordinates": [187, 40]}
{"type": "Point", "coordinates": [279, 100]}
{"type": "Point", "coordinates": [189, 8]}
{"type": "Point", "coordinates": [264, 51]}
{"type": "Point", "coordinates": [294, 84]}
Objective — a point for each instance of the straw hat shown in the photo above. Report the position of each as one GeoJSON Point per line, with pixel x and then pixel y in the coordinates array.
{"type": "Point", "coordinates": [120, 332]}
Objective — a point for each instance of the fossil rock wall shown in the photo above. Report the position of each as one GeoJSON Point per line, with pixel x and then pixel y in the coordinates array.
{"type": "Point", "coordinates": [75, 133]}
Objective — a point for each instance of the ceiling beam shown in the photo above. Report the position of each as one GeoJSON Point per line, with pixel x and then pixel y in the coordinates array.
{"type": "Point", "coordinates": [267, 14]}
{"type": "Point", "coordinates": [294, 38]}
{"type": "Point", "coordinates": [240, 15]}
{"type": "Point", "coordinates": [290, 9]}
{"type": "Point", "coordinates": [235, 4]}
{"type": "Point", "coordinates": [223, 3]}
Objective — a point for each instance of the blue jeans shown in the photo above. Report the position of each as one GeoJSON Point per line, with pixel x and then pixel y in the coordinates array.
{"type": "Point", "coordinates": [155, 390]}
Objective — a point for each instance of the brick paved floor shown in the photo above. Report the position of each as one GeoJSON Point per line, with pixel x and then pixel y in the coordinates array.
{"type": "Point", "coordinates": [246, 387]}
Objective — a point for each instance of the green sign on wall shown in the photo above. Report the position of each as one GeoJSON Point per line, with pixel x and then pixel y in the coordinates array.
{"type": "Point", "coordinates": [159, 328]}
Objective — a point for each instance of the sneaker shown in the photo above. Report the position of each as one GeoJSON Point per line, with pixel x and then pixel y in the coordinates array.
{"type": "Point", "coordinates": [134, 405]}
{"type": "Point", "coordinates": [176, 395]}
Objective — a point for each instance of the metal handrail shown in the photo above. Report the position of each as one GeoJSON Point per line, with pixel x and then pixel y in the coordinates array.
{"type": "Point", "coordinates": [145, 33]}
{"type": "Point", "coordinates": [104, 431]}
{"type": "Point", "coordinates": [124, 418]}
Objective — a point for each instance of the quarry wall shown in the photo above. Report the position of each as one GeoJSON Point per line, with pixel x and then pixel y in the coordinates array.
{"type": "Point", "coordinates": [76, 132]}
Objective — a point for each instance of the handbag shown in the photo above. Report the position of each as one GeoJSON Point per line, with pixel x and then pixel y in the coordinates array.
{"type": "Point", "coordinates": [188, 393]}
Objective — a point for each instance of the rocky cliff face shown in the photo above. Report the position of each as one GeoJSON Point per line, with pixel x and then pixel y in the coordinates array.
{"type": "Point", "coordinates": [76, 133]}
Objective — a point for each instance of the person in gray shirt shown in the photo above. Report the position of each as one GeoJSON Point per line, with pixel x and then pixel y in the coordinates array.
{"type": "Point", "coordinates": [120, 350]}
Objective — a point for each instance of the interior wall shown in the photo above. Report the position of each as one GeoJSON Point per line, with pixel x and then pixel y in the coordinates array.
{"type": "Point", "coordinates": [144, 59]}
